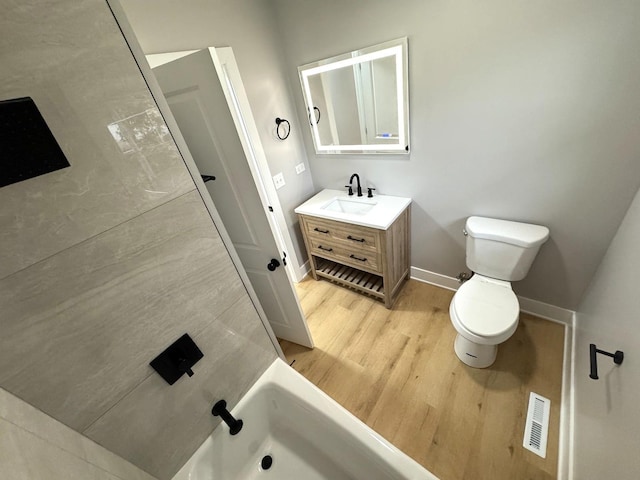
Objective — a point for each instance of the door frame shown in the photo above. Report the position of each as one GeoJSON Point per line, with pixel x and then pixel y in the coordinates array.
{"type": "Point", "coordinates": [224, 62]}
{"type": "Point", "coordinates": [181, 144]}
{"type": "Point", "coordinates": [209, 77]}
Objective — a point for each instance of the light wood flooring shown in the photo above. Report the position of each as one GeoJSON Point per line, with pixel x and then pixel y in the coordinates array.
{"type": "Point", "coordinates": [396, 370]}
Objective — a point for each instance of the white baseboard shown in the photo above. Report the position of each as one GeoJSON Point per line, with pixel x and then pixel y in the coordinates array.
{"type": "Point", "coordinates": [546, 311]}
{"type": "Point", "coordinates": [303, 271]}
{"type": "Point", "coordinates": [527, 305]}
{"type": "Point", "coordinates": [432, 278]}
{"type": "Point", "coordinates": [567, 407]}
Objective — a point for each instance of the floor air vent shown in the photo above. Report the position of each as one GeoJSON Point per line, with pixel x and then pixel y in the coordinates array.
{"type": "Point", "coordinates": [537, 427]}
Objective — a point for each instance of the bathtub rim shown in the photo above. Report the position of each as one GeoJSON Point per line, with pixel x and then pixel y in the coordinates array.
{"type": "Point", "coordinates": [280, 374]}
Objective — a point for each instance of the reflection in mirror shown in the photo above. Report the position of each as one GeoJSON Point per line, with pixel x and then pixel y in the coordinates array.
{"type": "Point", "coordinates": [358, 102]}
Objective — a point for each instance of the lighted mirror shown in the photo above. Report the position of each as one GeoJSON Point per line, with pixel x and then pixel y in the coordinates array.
{"type": "Point", "coordinates": [358, 102]}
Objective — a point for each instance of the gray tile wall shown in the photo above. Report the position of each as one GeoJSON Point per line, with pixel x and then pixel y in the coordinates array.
{"type": "Point", "coordinates": [105, 263]}
{"type": "Point", "coordinates": [34, 446]}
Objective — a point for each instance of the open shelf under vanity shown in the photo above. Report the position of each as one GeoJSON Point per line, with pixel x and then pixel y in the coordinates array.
{"type": "Point", "coordinates": [365, 282]}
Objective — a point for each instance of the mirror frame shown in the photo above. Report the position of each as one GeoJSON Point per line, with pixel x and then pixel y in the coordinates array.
{"type": "Point", "coordinates": [395, 48]}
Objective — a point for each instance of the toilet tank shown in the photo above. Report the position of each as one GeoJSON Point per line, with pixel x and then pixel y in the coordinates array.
{"type": "Point", "coordinates": [502, 249]}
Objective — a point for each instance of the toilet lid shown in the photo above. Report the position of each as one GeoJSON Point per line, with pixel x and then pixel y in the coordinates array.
{"type": "Point", "coordinates": [486, 307]}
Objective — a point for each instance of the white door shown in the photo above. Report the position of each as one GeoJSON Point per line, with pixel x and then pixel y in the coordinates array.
{"type": "Point", "coordinates": [194, 93]}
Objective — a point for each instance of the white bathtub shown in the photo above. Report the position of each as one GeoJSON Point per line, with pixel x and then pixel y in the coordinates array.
{"type": "Point", "coordinates": [306, 433]}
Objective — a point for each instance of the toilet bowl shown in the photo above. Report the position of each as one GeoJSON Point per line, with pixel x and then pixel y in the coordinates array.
{"type": "Point", "coordinates": [484, 311]}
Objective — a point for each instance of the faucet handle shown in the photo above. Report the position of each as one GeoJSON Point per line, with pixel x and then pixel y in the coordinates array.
{"type": "Point", "coordinates": [184, 367]}
{"type": "Point", "coordinates": [370, 192]}
{"type": "Point", "coordinates": [350, 189]}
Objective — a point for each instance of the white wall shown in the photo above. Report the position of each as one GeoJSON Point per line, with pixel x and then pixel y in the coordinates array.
{"type": "Point", "coordinates": [606, 410]}
{"type": "Point", "coordinates": [519, 110]}
{"type": "Point", "coordinates": [248, 26]}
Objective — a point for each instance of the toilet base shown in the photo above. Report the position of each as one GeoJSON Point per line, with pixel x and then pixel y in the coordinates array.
{"type": "Point", "coordinates": [474, 354]}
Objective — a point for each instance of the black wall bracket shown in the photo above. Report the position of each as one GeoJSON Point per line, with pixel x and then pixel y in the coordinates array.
{"type": "Point", "coordinates": [177, 359]}
{"type": "Point", "coordinates": [618, 357]}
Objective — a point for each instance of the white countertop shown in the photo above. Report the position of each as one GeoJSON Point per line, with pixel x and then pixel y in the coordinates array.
{"type": "Point", "coordinates": [385, 208]}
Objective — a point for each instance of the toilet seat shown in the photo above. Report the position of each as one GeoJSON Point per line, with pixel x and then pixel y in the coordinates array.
{"type": "Point", "coordinates": [486, 308]}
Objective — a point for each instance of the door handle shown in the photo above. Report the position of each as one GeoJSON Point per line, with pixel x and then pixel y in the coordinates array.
{"type": "Point", "coordinates": [273, 264]}
{"type": "Point", "coordinates": [207, 178]}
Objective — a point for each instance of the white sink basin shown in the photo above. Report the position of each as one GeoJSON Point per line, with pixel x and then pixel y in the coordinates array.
{"type": "Point", "coordinates": [354, 207]}
{"type": "Point", "coordinates": [377, 212]}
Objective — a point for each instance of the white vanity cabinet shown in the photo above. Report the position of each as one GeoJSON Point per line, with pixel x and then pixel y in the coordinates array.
{"type": "Point", "coordinates": [367, 252]}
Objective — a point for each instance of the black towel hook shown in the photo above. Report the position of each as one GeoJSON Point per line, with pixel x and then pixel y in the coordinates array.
{"type": "Point", "coordinates": [280, 121]}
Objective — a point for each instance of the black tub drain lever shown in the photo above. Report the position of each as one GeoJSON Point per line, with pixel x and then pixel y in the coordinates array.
{"type": "Point", "coordinates": [220, 409]}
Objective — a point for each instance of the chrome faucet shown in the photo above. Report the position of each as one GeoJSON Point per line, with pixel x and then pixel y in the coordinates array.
{"type": "Point", "coordinates": [358, 187]}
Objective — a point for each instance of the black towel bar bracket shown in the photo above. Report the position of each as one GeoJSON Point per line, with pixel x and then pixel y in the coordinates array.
{"type": "Point", "coordinates": [618, 357]}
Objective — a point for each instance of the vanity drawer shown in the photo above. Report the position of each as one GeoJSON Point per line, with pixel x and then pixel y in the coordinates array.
{"type": "Point", "coordinates": [351, 256]}
{"type": "Point", "coordinates": [347, 235]}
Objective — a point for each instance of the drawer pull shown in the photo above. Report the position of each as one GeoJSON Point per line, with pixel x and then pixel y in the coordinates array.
{"type": "Point", "coordinates": [355, 239]}
{"type": "Point", "coordinates": [320, 247]}
{"type": "Point", "coordinates": [358, 258]}
{"type": "Point", "coordinates": [320, 230]}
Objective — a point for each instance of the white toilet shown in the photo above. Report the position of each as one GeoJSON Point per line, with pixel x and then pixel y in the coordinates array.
{"type": "Point", "coordinates": [484, 311]}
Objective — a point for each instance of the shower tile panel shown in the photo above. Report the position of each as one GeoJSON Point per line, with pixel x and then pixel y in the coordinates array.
{"type": "Point", "coordinates": [108, 306]}
{"type": "Point", "coordinates": [137, 428]}
{"type": "Point", "coordinates": [101, 113]}
{"type": "Point", "coordinates": [42, 432]}
{"type": "Point", "coordinates": [105, 263]}
{"type": "Point", "coordinates": [25, 455]}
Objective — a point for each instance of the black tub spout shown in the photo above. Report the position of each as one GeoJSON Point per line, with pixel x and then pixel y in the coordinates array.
{"type": "Point", "coordinates": [220, 409]}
